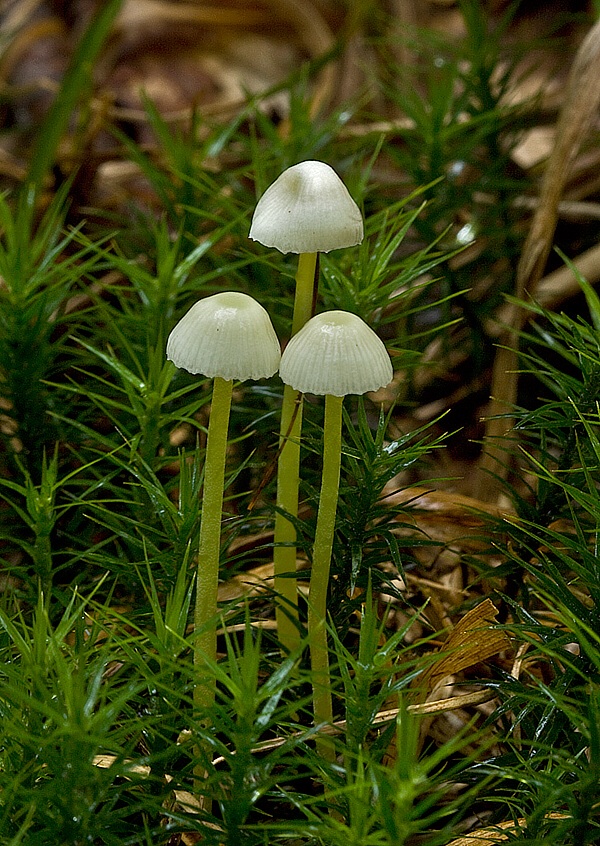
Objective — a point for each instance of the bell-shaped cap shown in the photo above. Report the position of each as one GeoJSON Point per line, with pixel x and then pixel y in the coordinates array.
{"type": "Point", "coordinates": [308, 209]}
{"type": "Point", "coordinates": [336, 353]}
{"type": "Point", "coordinates": [228, 335]}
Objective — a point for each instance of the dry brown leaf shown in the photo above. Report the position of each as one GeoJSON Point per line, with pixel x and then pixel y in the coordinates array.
{"type": "Point", "coordinates": [250, 583]}
{"type": "Point", "coordinates": [489, 836]}
{"type": "Point", "coordinates": [447, 517]}
{"type": "Point", "coordinates": [485, 836]}
{"type": "Point", "coordinates": [474, 638]}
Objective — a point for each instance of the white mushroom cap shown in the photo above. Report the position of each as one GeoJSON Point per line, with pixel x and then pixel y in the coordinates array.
{"type": "Point", "coordinates": [228, 335]}
{"type": "Point", "coordinates": [336, 353]}
{"type": "Point", "coordinates": [307, 210]}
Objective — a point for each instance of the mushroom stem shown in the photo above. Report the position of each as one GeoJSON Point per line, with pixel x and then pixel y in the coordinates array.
{"type": "Point", "coordinates": [305, 289]}
{"type": "Point", "coordinates": [319, 578]}
{"type": "Point", "coordinates": [288, 472]}
{"type": "Point", "coordinates": [225, 336]}
{"type": "Point", "coordinates": [207, 580]}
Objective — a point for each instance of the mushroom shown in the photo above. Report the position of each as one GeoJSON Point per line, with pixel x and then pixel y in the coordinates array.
{"type": "Point", "coordinates": [307, 210]}
{"type": "Point", "coordinates": [334, 354]}
{"type": "Point", "coordinates": [226, 336]}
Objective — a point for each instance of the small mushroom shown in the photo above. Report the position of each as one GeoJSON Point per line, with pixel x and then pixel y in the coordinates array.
{"type": "Point", "coordinates": [335, 354]}
{"type": "Point", "coordinates": [229, 336]}
{"type": "Point", "coordinates": [226, 336]}
{"type": "Point", "coordinates": [307, 210]}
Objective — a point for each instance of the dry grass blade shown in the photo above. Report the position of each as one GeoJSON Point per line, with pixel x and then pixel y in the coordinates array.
{"type": "Point", "coordinates": [478, 697]}
{"type": "Point", "coordinates": [136, 14]}
{"type": "Point", "coordinates": [489, 836]}
{"type": "Point", "coordinates": [486, 836]}
{"type": "Point", "coordinates": [556, 287]}
{"type": "Point", "coordinates": [579, 109]}
{"type": "Point", "coordinates": [577, 114]}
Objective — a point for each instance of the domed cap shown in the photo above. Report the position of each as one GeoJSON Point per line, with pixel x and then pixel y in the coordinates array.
{"type": "Point", "coordinates": [307, 210]}
{"type": "Point", "coordinates": [336, 353]}
{"type": "Point", "coordinates": [228, 335]}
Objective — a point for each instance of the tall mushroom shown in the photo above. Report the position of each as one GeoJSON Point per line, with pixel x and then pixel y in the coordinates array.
{"type": "Point", "coordinates": [334, 354]}
{"type": "Point", "coordinates": [228, 336]}
{"type": "Point", "coordinates": [307, 210]}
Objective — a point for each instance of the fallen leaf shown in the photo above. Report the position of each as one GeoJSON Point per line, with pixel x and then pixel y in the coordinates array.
{"type": "Point", "coordinates": [474, 638]}
{"type": "Point", "coordinates": [489, 836]}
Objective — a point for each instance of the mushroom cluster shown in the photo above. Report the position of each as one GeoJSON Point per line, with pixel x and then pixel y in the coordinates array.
{"type": "Point", "coordinates": [229, 336]}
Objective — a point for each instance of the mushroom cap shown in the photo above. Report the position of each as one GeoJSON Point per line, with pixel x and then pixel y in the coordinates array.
{"type": "Point", "coordinates": [228, 335]}
{"type": "Point", "coordinates": [336, 353]}
{"type": "Point", "coordinates": [307, 210]}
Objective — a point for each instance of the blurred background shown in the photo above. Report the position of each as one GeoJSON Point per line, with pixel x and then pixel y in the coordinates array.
{"type": "Point", "coordinates": [206, 58]}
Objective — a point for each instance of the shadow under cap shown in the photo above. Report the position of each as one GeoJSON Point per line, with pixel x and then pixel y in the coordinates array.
{"type": "Point", "coordinates": [308, 209]}
{"type": "Point", "coordinates": [228, 335]}
{"type": "Point", "coordinates": [336, 353]}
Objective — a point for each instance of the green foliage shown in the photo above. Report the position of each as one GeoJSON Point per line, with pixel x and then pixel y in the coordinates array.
{"type": "Point", "coordinates": [378, 674]}
{"type": "Point", "coordinates": [39, 513]}
{"type": "Point", "coordinates": [564, 355]}
{"type": "Point", "coordinates": [102, 470]}
{"type": "Point", "coordinates": [61, 707]}
{"type": "Point", "coordinates": [368, 524]}
{"type": "Point", "coordinates": [373, 283]}
{"type": "Point", "coordinates": [549, 766]}
{"type": "Point", "coordinates": [76, 81]}
{"type": "Point", "coordinates": [458, 148]}
{"type": "Point", "coordinates": [40, 270]}
{"type": "Point", "coordinates": [253, 704]}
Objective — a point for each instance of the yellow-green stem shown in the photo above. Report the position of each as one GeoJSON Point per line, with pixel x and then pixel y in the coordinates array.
{"type": "Point", "coordinates": [207, 580]}
{"type": "Point", "coordinates": [305, 290]}
{"type": "Point", "coordinates": [288, 472]}
{"type": "Point", "coordinates": [319, 579]}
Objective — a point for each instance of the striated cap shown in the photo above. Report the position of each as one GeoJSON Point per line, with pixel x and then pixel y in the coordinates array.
{"type": "Point", "coordinates": [308, 209]}
{"type": "Point", "coordinates": [228, 335]}
{"type": "Point", "coordinates": [336, 353]}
